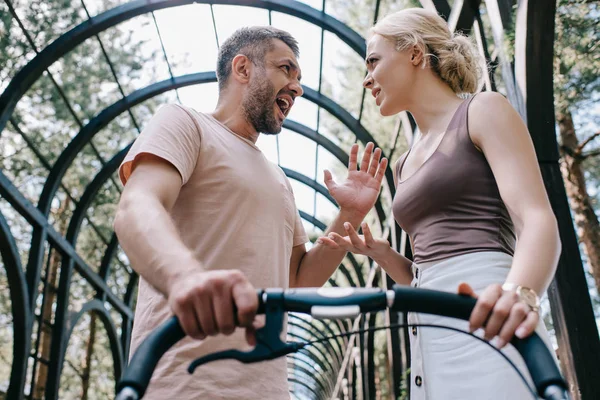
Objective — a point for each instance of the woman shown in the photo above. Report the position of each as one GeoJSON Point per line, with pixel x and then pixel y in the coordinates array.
{"type": "Point", "coordinates": [468, 187]}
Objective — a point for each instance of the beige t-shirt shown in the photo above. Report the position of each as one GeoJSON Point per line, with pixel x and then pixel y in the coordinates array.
{"type": "Point", "coordinates": [235, 210]}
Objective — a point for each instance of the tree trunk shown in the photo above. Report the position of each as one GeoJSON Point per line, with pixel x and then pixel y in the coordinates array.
{"type": "Point", "coordinates": [49, 298]}
{"type": "Point", "coordinates": [586, 221]}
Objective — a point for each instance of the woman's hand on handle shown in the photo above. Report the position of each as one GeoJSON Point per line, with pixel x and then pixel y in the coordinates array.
{"type": "Point", "coordinates": [205, 303]}
{"type": "Point", "coordinates": [503, 314]}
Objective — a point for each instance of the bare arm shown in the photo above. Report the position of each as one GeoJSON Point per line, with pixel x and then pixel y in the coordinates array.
{"type": "Point", "coordinates": [149, 196]}
{"type": "Point", "coordinates": [507, 145]}
{"type": "Point", "coordinates": [313, 268]}
{"type": "Point", "coordinates": [203, 301]}
{"type": "Point", "coordinates": [355, 196]}
{"type": "Point", "coordinates": [498, 130]}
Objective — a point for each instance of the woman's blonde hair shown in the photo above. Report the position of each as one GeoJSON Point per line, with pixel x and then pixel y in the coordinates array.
{"type": "Point", "coordinates": [452, 56]}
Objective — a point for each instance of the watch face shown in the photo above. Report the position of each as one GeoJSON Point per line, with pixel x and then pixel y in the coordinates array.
{"type": "Point", "coordinates": [529, 297]}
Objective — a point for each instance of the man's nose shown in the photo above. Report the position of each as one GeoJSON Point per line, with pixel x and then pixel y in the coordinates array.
{"type": "Point", "coordinates": [296, 87]}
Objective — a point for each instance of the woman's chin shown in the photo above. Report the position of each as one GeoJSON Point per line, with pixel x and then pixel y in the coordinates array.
{"type": "Point", "coordinates": [385, 111]}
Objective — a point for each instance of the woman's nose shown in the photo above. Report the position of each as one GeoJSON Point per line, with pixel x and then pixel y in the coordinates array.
{"type": "Point", "coordinates": [368, 81]}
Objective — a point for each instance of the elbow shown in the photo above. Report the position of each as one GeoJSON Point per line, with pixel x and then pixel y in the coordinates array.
{"type": "Point", "coordinates": [557, 242]}
{"type": "Point", "coordinates": [554, 245]}
{"type": "Point", "coordinates": [120, 222]}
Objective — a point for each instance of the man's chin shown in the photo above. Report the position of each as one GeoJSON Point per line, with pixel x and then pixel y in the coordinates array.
{"type": "Point", "coordinates": [273, 131]}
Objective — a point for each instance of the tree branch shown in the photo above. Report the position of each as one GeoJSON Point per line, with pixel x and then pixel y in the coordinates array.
{"type": "Point", "coordinates": [74, 368]}
{"type": "Point", "coordinates": [586, 141]}
{"type": "Point", "coordinates": [590, 154]}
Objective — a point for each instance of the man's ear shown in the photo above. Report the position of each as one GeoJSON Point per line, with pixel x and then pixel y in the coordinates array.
{"type": "Point", "coordinates": [417, 57]}
{"type": "Point", "coordinates": [240, 68]}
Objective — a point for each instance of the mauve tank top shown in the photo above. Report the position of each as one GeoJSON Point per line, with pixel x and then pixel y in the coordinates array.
{"type": "Point", "coordinates": [451, 205]}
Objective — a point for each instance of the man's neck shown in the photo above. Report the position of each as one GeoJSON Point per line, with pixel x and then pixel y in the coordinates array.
{"type": "Point", "coordinates": [232, 117]}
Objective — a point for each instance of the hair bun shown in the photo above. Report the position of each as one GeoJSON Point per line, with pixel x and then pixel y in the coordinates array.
{"type": "Point", "coordinates": [458, 64]}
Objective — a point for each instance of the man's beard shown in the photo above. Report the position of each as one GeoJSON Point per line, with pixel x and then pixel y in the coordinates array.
{"type": "Point", "coordinates": [258, 107]}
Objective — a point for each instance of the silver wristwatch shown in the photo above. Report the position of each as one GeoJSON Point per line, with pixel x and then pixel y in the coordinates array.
{"type": "Point", "coordinates": [526, 295]}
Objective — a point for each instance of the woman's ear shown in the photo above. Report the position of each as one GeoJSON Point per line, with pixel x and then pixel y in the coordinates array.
{"type": "Point", "coordinates": [417, 56]}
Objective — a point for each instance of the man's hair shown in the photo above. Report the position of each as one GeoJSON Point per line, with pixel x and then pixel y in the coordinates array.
{"type": "Point", "coordinates": [254, 43]}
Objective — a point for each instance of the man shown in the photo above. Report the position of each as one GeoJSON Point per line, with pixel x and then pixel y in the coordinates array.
{"type": "Point", "coordinates": [204, 218]}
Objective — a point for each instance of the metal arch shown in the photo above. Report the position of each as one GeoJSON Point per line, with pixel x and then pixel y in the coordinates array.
{"type": "Point", "coordinates": [57, 344]}
{"type": "Point", "coordinates": [111, 167]}
{"type": "Point", "coordinates": [300, 369]}
{"type": "Point", "coordinates": [315, 349]}
{"type": "Point", "coordinates": [315, 333]}
{"type": "Point", "coordinates": [305, 385]}
{"type": "Point", "coordinates": [111, 249]}
{"type": "Point", "coordinates": [340, 352]}
{"type": "Point", "coordinates": [108, 114]}
{"type": "Point", "coordinates": [297, 176]}
{"type": "Point", "coordinates": [34, 69]}
{"type": "Point", "coordinates": [321, 349]}
{"type": "Point", "coordinates": [19, 302]}
{"type": "Point", "coordinates": [312, 220]}
{"type": "Point", "coordinates": [316, 222]}
{"type": "Point", "coordinates": [96, 306]}
{"type": "Point", "coordinates": [327, 144]}
{"type": "Point", "coordinates": [101, 120]}
{"type": "Point", "coordinates": [322, 382]}
{"type": "Point", "coordinates": [441, 6]}
{"type": "Point", "coordinates": [346, 273]}
{"type": "Point", "coordinates": [351, 123]}
{"type": "Point", "coordinates": [90, 192]}
{"type": "Point", "coordinates": [127, 320]}
{"type": "Point", "coordinates": [327, 327]}
{"type": "Point", "coordinates": [311, 355]}
{"type": "Point", "coordinates": [500, 16]}
{"type": "Point", "coordinates": [36, 219]}
{"type": "Point", "coordinates": [305, 362]}
{"type": "Point", "coordinates": [579, 346]}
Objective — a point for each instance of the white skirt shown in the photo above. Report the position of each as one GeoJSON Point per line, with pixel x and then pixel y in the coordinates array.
{"type": "Point", "coordinates": [453, 366]}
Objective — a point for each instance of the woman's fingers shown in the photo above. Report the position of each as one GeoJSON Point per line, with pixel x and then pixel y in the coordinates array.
{"type": "Point", "coordinates": [528, 326]}
{"type": "Point", "coordinates": [364, 165]}
{"type": "Point", "coordinates": [518, 315]}
{"type": "Point", "coordinates": [501, 312]}
{"type": "Point", "coordinates": [374, 161]}
{"type": "Point", "coordinates": [324, 240]}
{"type": "Point", "coordinates": [381, 170]}
{"type": "Point", "coordinates": [355, 239]}
{"type": "Point", "coordinates": [369, 241]}
{"type": "Point", "coordinates": [353, 163]}
{"type": "Point", "coordinates": [484, 306]}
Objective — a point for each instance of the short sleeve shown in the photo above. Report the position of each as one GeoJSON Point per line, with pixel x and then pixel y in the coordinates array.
{"type": "Point", "coordinates": [300, 236]}
{"type": "Point", "coordinates": [172, 134]}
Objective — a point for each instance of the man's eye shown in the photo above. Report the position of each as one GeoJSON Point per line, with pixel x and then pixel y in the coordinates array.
{"type": "Point", "coordinates": [286, 68]}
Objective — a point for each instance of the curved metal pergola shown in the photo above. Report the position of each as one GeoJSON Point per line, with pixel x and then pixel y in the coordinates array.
{"type": "Point", "coordinates": [528, 85]}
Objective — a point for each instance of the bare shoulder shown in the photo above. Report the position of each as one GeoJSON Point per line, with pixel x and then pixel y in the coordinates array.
{"type": "Point", "coordinates": [488, 105]}
{"type": "Point", "coordinates": [490, 113]}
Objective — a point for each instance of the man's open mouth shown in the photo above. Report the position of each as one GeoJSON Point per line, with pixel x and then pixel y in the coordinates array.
{"type": "Point", "coordinates": [284, 103]}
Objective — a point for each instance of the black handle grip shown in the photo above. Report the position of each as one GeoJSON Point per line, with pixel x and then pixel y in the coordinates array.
{"type": "Point", "coordinates": [537, 356]}
{"type": "Point", "coordinates": [137, 375]}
